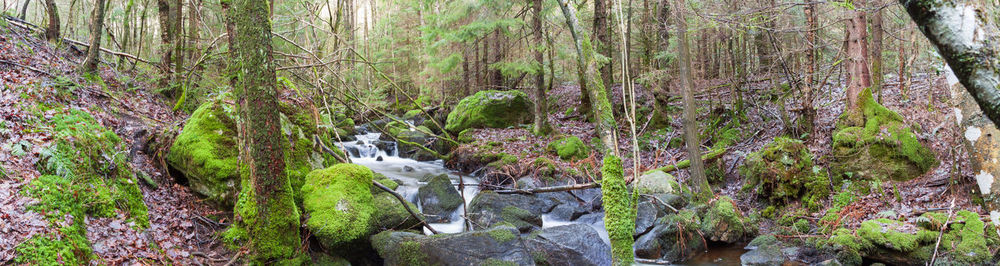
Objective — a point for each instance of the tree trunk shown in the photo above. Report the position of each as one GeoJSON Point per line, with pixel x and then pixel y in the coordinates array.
{"type": "Point", "coordinates": [876, 50]}
{"type": "Point", "coordinates": [601, 38]}
{"type": "Point", "coordinates": [89, 65]}
{"type": "Point", "coordinates": [178, 24]}
{"type": "Point", "coordinates": [698, 181]}
{"type": "Point", "coordinates": [24, 10]}
{"type": "Point", "coordinates": [858, 75]}
{"type": "Point", "coordinates": [166, 37]}
{"type": "Point", "coordinates": [974, 56]}
{"type": "Point", "coordinates": [587, 68]}
{"type": "Point", "coordinates": [52, 32]}
{"type": "Point", "coordinates": [265, 209]}
{"type": "Point", "coordinates": [541, 106]}
{"type": "Point", "coordinates": [807, 120]}
{"type": "Point", "coordinates": [127, 36]}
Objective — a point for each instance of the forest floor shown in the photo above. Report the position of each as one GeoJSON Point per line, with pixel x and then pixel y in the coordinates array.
{"type": "Point", "coordinates": [925, 105]}
{"type": "Point", "coordinates": [33, 73]}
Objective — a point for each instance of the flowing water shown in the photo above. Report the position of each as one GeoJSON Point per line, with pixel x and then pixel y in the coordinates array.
{"type": "Point", "coordinates": [382, 157]}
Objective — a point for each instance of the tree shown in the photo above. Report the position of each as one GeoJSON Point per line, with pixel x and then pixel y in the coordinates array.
{"type": "Point", "coordinates": [619, 217]}
{"type": "Point", "coordinates": [52, 31]}
{"type": "Point", "coordinates": [265, 210]}
{"type": "Point", "coordinates": [602, 38]}
{"type": "Point", "coordinates": [698, 181]}
{"type": "Point", "coordinates": [970, 50]}
{"type": "Point", "coordinates": [541, 107]}
{"type": "Point", "coordinates": [876, 51]}
{"type": "Point", "coordinates": [89, 64]}
{"type": "Point", "coordinates": [166, 37]}
{"type": "Point", "coordinates": [856, 44]}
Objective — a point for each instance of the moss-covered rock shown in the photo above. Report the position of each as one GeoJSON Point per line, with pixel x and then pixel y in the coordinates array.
{"type": "Point", "coordinates": [875, 142]}
{"type": "Point", "coordinates": [656, 182]}
{"type": "Point", "coordinates": [674, 237]}
{"type": "Point", "coordinates": [499, 245]}
{"type": "Point", "coordinates": [338, 203]}
{"type": "Point", "coordinates": [490, 109]}
{"type": "Point", "coordinates": [723, 222]}
{"type": "Point", "coordinates": [569, 148]}
{"type": "Point", "coordinates": [783, 171]}
{"type": "Point", "coordinates": [964, 242]}
{"type": "Point", "coordinates": [439, 198]}
{"type": "Point", "coordinates": [206, 149]}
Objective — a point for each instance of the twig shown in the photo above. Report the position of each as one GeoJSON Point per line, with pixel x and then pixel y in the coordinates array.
{"type": "Point", "coordinates": [549, 189]}
{"type": "Point", "coordinates": [407, 206]}
{"type": "Point", "coordinates": [940, 234]}
{"type": "Point", "coordinates": [233, 260]}
{"type": "Point", "coordinates": [28, 68]}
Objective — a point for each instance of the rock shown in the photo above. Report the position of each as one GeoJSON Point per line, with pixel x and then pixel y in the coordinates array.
{"type": "Point", "coordinates": [829, 262]}
{"type": "Point", "coordinates": [338, 203]}
{"type": "Point", "coordinates": [763, 256]}
{"type": "Point", "coordinates": [591, 197]}
{"type": "Point", "coordinates": [527, 183]}
{"type": "Point", "coordinates": [407, 168]}
{"type": "Point", "coordinates": [655, 182]}
{"type": "Point", "coordinates": [495, 246]}
{"type": "Point", "coordinates": [391, 215]}
{"type": "Point", "coordinates": [205, 151]}
{"type": "Point", "coordinates": [439, 199]}
{"type": "Point", "coordinates": [379, 159]}
{"type": "Point", "coordinates": [722, 222]}
{"type": "Point", "coordinates": [645, 215]}
{"type": "Point", "coordinates": [676, 201]}
{"type": "Point", "coordinates": [664, 240]}
{"type": "Point", "coordinates": [489, 208]}
{"type": "Point", "coordinates": [575, 244]}
{"type": "Point", "coordinates": [569, 148]}
{"type": "Point", "coordinates": [783, 171]}
{"type": "Point", "coordinates": [875, 142]}
{"type": "Point", "coordinates": [490, 109]}
{"type": "Point", "coordinates": [567, 212]}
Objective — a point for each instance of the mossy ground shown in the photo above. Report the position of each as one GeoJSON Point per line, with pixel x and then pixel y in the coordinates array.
{"type": "Point", "coordinates": [569, 148]}
{"type": "Point", "coordinates": [86, 173]}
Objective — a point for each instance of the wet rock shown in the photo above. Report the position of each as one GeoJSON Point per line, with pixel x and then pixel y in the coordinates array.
{"type": "Point", "coordinates": [763, 256]}
{"type": "Point", "coordinates": [575, 244]}
{"type": "Point", "coordinates": [439, 199]}
{"type": "Point", "coordinates": [379, 159]}
{"type": "Point", "coordinates": [389, 213]}
{"type": "Point", "coordinates": [567, 212]}
{"type": "Point", "coordinates": [489, 208]}
{"type": "Point", "coordinates": [645, 216]}
{"type": "Point", "coordinates": [592, 197]}
{"type": "Point", "coordinates": [495, 246]}
{"type": "Point", "coordinates": [407, 168]}
{"type": "Point", "coordinates": [490, 109]}
{"type": "Point", "coordinates": [673, 238]}
{"type": "Point", "coordinates": [590, 218]}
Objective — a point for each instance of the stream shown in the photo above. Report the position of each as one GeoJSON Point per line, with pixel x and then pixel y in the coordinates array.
{"type": "Point", "coordinates": [382, 157]}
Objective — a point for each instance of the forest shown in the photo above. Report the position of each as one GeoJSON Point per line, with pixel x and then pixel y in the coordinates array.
{"type": "Point", "coordinates": [499, 132]}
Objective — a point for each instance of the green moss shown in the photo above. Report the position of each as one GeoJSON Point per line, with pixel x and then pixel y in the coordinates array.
{"type": "Point", "coordinates": [972, 248]}
{"type": "Point", "coordinates": [802, 226]}
{"type": "Point", "coordinates": [466, 135]}
{"type": "Point", "coordinates": [619, 211]}
{"type": "Point", "coordinates": [399, 249]}
{"type": "Point", "coordinates": [569, 148]}
{"type": "Point", "coordinates": [490, 109]}
{"type": "Point", "coordinates": [502, 236]}
{"type": "Point", "coordinates": [884, 232]}
{"type": "Point", "coordinates": [874, 142]}
{"type": "Point", "coordinates": [723, 222]}
{"type": "Point", "coordinates": [68, 246]}
{"type": "Point", "coordinates": [783, 171]}
{"type": "Point", "coordinates": [58, 199]}
{"type": "Point", "coordinates": [338, 202]}
{"type": "Point", "coordinates": [499, 160]}
{"type": "Point", "coordinates": [497, 262]}
{"type": "Point", "coordinates": [392, 215]}
{"type": "Point", "coordinates": [769, 212]}
{"type": "Point", "coordinates": [545, 167]}
{"type": "Point", "coordinates": [411, 114]}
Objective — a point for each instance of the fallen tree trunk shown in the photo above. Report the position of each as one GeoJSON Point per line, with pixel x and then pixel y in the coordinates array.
{"type": "Point", "coordinates": [711, 155]}
{"type": "Point", "coordinates": [549, 189]}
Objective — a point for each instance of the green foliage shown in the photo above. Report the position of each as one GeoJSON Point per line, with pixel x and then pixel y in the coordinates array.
{"type": "Point", "coordinates": [619, 211]}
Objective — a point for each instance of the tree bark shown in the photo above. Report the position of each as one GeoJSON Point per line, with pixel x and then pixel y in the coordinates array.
{"type": "Point", "coordinates": [24, 10]}
{"type": "Point", "coordinates": [587, 68]}
{"type": "Point", "coordinates": [966, 39]}
{"type": "Point", "coordinates": [265, 209]}
{"type": "Point", "coordinates": [698, 181]}
{"type": "Point", "coordinates": [166, 39]}
{"type": "Point", "coordinates": [858, 76]}
{"type": "Point", "coordinates": [89, 64]}
{"type": "Point", "coordinates": [177, 22]}
{"type": "Point", "coordinates": [541, 106]}
{"type": "Point", "coordinates": [52, 31]}
{"type": "Point", "coordinates": [602, 39]}
{"type": "Point", "coordinates": [876, 49]}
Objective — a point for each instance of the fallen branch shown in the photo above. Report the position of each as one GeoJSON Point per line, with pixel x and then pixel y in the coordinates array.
{"type": "Point", "coordinates": [549, 189]}
{"type": "Point", "coordinates": [330, 151]}
{"type": "Point", "coordinates": [407, 206]}
{"type": "Point", "coordinates": [136, 58]}
{"type": "Point", "coordinates": [711, 155]}
{"type": "Point", "coordinates": [940, 234]}
{"type": "Point", "coordinates": [28, 68]}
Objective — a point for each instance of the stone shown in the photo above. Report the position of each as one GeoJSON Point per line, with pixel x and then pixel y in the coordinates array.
{"type": "Point", "coordinates": [489, 208]}
{"type": "Point", "coordinates": [763, 256]}
{"type": "Point", "coordinates": [655, 182]}
{"type": "Point", "coordinates": [574, 244]}
{"type": "Point", "coordinates": [338, 203]}
{"type": "Point", "coordinates": [495, 246]}
{"type": "Point", "coordinates": [490, 109]}
{"type": "Point", "coordinates": [439, 199]}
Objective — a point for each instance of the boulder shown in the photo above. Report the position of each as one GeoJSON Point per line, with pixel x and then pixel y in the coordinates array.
{"type": "Point", "coordinates": [489, 208]}
{"type": "Point", "coordinates": [338, 204]}
{"type": "Point", "coordinates": [783, 171]}
{"type": "Point", "coordinates": [722, 222]}
{"type": "Point", "coordinates": [495, 246]}
{"type": "Point", "coordinates": [644, 218]}
{"type": "Point", "coordinates": [655, 182]}
{"type": "Point", "coordinates": [490, 109]}
{"type": "Point", "coordinates": [206, 153]}
{"type": "Point", "coordinates": [574, 244]}
{"type": "Point", "coordinates": [875, 142]}
{"type": "Point", "coordinates": [675, 237]}
{"type": "Point", "coordinates": [439, 198]}
{"type": "Point", "coordinates": [389, 213]}
{"type": "Point", "coordinates": [763, 256]}
{"type": "Point", "coordinates": [569, 148]}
